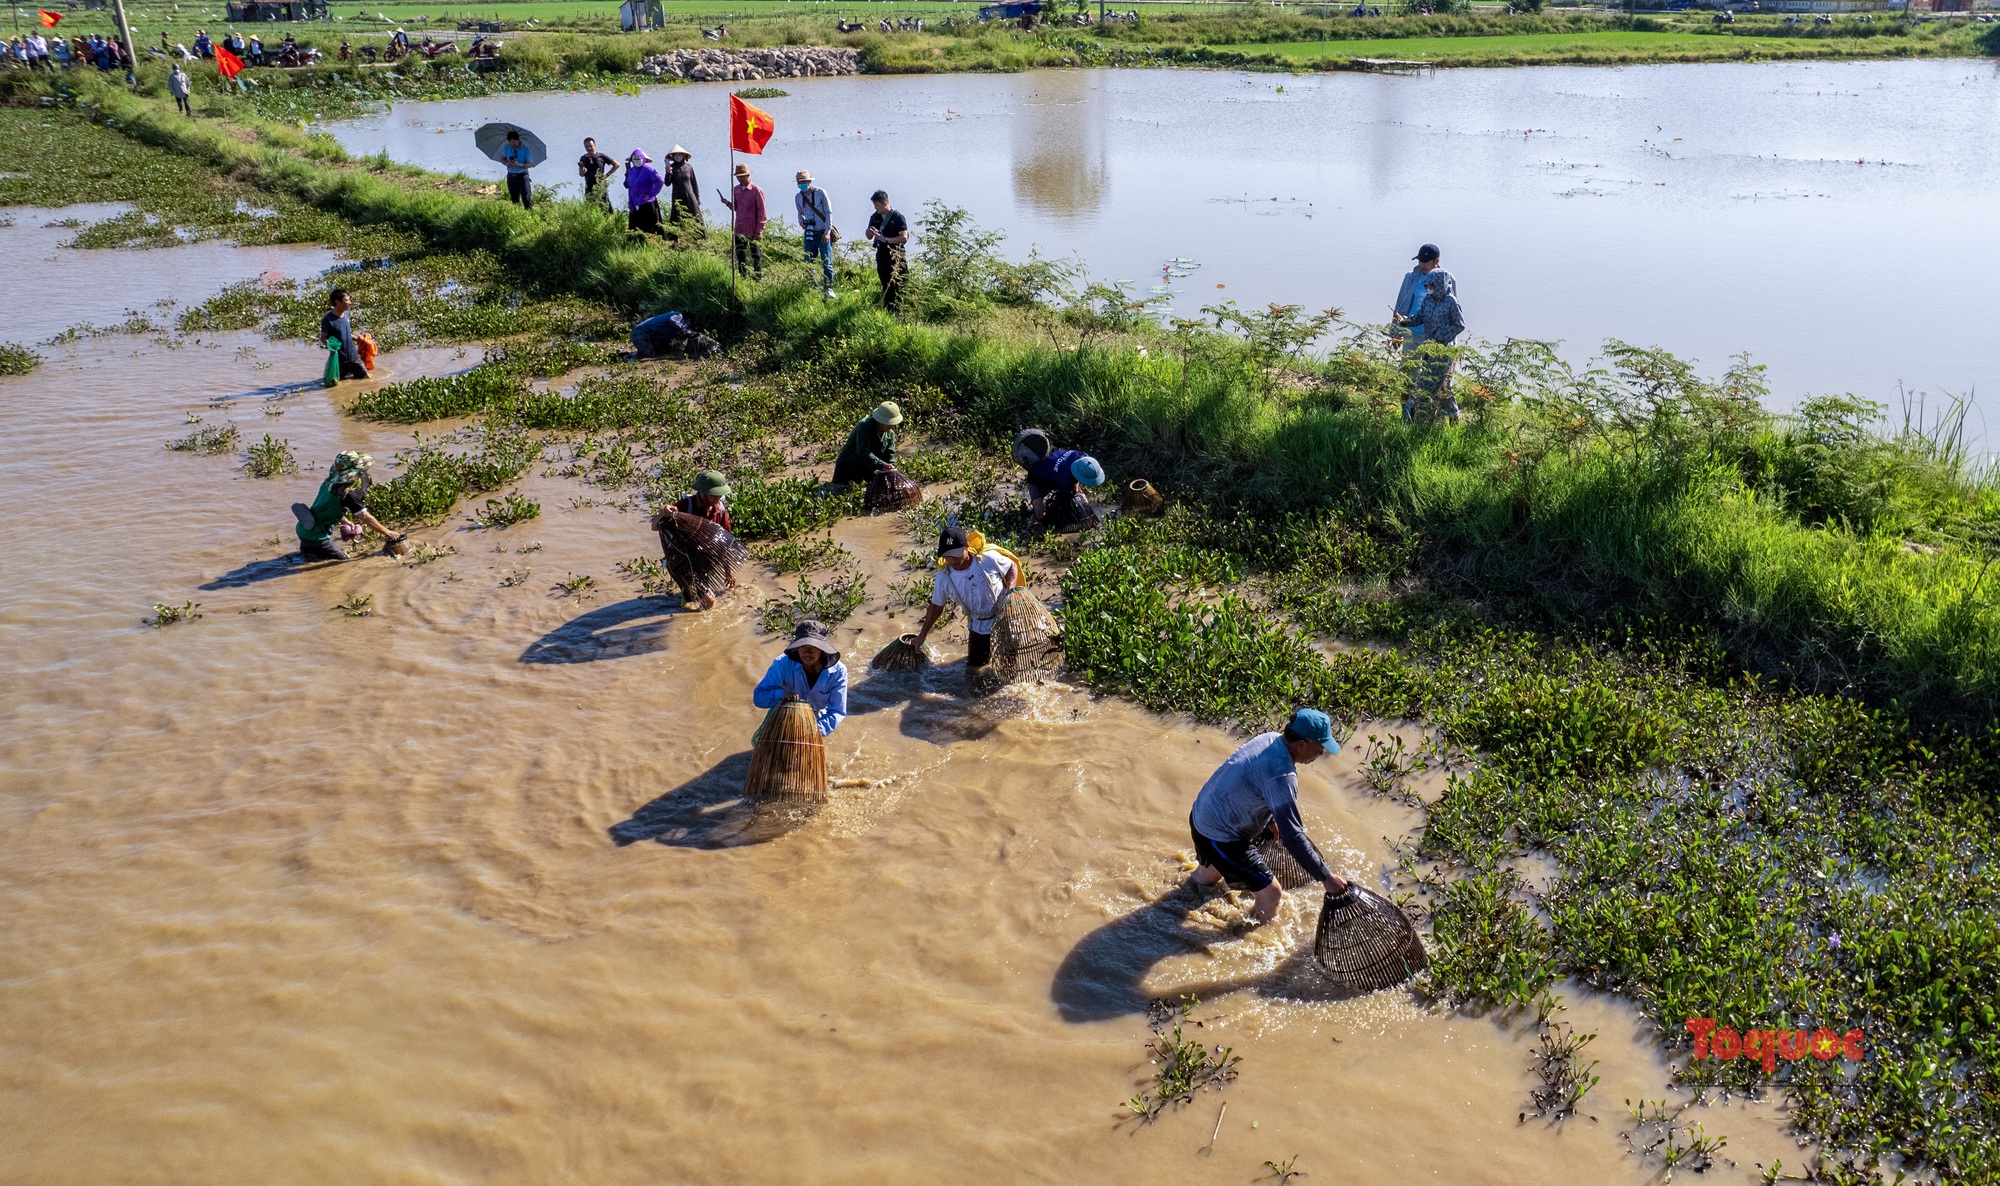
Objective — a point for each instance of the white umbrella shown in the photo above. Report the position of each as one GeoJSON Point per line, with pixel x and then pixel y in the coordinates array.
{"type": "Point", "coordinates": [491, 138]}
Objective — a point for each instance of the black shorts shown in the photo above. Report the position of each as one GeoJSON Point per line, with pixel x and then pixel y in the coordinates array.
{"type": "Point", "coordinates": [323, 549]}
{"type": "Point", "coordinates": [978, 649]}
{"type": "Point", "coordinates": [1238, 861]}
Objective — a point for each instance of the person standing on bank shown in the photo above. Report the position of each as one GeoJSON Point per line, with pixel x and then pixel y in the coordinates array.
{"type": "Point", "coordinates": [1254, 792]}
{"type": "Point", "coordinates": [179, 87]}
{"type": "Point", "coordinates": [890, 232]}
{"type": "Point", "coordinates": [1409, 310]}
{"type": "Point", "coordinates": [815, 212]}
{"type": "Point", "coordinates": [518, 159]}
{"type": "Point", "coordinates": [596, 169]}
{"type": "Point", "coordinates": [685, 207]}
{"type": "Point", "coordinates": [746, 203]}
{"type": "Point", "coordinates": [809, 670]}
{"type": "Point", "coordinates": [870, 447]}
{"type": "Point", "coordinates": [642, 193]}
{"type": "Point", "coordinates": [974, 584]}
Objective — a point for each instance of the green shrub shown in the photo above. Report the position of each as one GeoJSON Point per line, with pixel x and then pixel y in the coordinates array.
{"type": "Point", "coordinates": [16, 359]}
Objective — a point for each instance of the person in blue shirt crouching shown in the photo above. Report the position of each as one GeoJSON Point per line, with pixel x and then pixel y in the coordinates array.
{"type": "Point", "coordinates": [809, 670]}
{"type": "Point", "coordinates": [1254, 792]}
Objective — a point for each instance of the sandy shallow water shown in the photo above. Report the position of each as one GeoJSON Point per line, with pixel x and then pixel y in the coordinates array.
{"type": "Point", "coordinates": [462, 891]}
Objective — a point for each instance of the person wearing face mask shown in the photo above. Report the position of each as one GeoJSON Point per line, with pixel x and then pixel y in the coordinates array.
{"type": "Point", "coordinates": [815, 212]}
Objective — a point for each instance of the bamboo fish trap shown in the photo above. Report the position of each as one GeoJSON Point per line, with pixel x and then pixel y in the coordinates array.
{"type": "Point", "coordinates": [1141, 499]}
{"type": "Point", "coordinates": [1365, 942]}
{"type": "Point", "coordinates": [1025, 634]}
{"type": "Point", "coordinates": [700, 555]}
{"type": "Point", "coordinates": [1278, 859]}
{"type": "Point", "coordinates": [901, 655]}
{"type": "Point", "coordinates": [788, 756]}
{"type": "Point", "coordinates": [891, 490]}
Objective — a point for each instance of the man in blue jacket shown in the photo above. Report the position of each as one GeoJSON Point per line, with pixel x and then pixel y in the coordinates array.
{"type": "Point", "coordinates": [1254, 792]}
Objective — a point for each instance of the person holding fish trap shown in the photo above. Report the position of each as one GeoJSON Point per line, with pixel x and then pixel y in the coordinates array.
{"type": "Point", "coordinates": [975, 583]}
{"type": "Point", "coordinates": [1256, 791]}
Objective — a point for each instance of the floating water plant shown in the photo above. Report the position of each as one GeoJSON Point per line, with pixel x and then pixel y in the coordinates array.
{"type": "Point", "coordinates": [830, 603]}
{"type": "Point", "coordinates": [358, 605]}
{"type": "Point", "coordinates": [515, 578]}
{"type": "Point", "coordinates": [577, 586]}
{"type": "Point", "coordinates": [424, 553]}
{"type": "Point", "coordinates": [504, 512]}
{"type": "Point", "coordinates": [1565, 1077]}
{"type": "Point", "coordinates": [16, 359]}
{"type": "Point", "coordinates": [803, 555]}
{"type": "Point", "coordinates": [167, 615]}
{"type": "Point", "coordinates": [207, 441]}
{"type": "Point", "coordinates": [269, 458]}
{"type": "Point", "coordinates": [1182, 1067]}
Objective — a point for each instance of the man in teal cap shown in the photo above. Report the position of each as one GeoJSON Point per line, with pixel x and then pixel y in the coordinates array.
{"type": "Point", "coordinates": [1254, 792]}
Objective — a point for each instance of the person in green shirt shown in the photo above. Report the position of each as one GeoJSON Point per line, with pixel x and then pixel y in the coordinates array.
{"type": "Point", "coordinates": [870, 447]}
{"type": "Point", "coordinates": [339, 504]}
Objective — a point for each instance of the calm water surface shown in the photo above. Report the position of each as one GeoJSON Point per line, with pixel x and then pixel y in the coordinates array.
{"type": "Point", "coordinates": [1819, 217]}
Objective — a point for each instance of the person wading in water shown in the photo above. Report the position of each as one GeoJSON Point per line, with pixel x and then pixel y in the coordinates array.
{"type": "Point", "coordinates": [809, 670]}
{"type": "Point", "coordinates": [1254, 792]}
{"type": "Point", "coordinates": [974, 584]}
{"type": "Point", "coordinates": [339, 504]}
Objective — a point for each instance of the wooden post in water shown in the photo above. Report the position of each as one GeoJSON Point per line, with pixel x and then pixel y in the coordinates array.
{"type": "Point", "coordinates": [131, 50]}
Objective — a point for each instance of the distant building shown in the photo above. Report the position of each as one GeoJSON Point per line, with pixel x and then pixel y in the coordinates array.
{"type": "Point", "coordinates": [261, 11]}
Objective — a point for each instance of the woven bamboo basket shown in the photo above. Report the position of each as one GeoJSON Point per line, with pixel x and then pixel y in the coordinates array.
{"type": "Point", "coordinates": [788, 756]}
{"type": "Point", "coordinates": [1025, 634]}
{"type": "Point", "coordinates": [1142, 499]}
{"type": "Point", "coordinates": [891, 490]}
{"type": "Point", "coordinates": [1365, 942]}
{"type": "Point", "coordinates": [1290, 874]}
{"type": "Point", "coordinates": [701, 556]}
{"type": "Point", "coordinates": [901, 655]}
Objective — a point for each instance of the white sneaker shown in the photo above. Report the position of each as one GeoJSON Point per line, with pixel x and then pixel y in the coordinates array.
{"type": "Point", "coordinates": [832, 295]}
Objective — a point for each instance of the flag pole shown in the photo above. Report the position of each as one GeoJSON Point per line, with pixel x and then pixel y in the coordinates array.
{"type": "Point", "coordinates": [734, 250]}
{"type": "Point", "coordinates": [131, 51]}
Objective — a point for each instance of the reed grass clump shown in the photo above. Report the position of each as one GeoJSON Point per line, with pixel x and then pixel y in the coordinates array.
{"type": "Point", "coordinates": [829, 604]}
{"type": "Point", "coordinates": [423, 399]}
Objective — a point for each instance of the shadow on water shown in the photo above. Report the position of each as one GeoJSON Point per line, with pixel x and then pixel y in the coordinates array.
{"type": "Point", "coordinates": [939, 704]}
{"type": "Point", "coordinates": [258, 571]}
{"type": "Point", "coordinates": [709, 811]}
{"type": "Point", "coordinates": [618, 631]}
{"type": "Point", "coordinates": [1104, 975]}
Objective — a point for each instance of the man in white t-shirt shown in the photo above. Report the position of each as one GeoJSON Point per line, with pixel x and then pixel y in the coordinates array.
{"type": "Point", "coordinates": [974, 584]}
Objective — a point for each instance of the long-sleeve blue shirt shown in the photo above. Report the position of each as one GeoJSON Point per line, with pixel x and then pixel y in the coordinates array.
{"type": "Point", "coordinates": [827, 696]}
{"type": "Point", "coordinates": [1257, 786]}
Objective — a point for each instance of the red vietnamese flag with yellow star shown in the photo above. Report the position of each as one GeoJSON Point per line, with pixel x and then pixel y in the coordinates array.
{"type": "Point", "coordinates": [227, 64]}
{"type": "Point", "coordinates": [49, 19]}
{"type": "Point", "coordinates": [750, 128]}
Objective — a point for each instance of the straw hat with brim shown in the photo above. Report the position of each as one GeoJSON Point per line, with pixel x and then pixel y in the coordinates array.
{"type": "Point", "coordinates": [812, 634]}
{"type": "Point", "coordinates": [887, 413]}
{"type": "Point", "coordinates": [743, 170]}
{"type": "Point", "coordinates": [711, 483]}
{"type": "Point", "coordinates": [677, 150]}
{"type": "Point", "coordinates": [802, 175]}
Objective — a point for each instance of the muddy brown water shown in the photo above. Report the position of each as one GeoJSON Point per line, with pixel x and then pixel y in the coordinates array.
{"type": "Point", "coordinates": [462, 891]}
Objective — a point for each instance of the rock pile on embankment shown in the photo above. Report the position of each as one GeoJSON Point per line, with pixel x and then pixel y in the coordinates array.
{"type": "Point", "coordinates": [723, 65]}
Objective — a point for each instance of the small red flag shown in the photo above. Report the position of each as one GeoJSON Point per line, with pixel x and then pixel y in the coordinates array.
{"type": "Point", "coordinates": [49, 19]}
{"type": "Point", "coordinates": [750, 128]}
{"type": "Point", "coordinates": [227, 64]}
